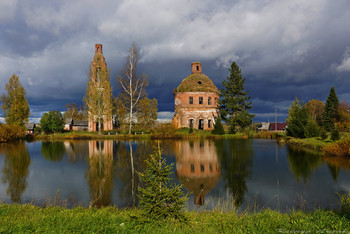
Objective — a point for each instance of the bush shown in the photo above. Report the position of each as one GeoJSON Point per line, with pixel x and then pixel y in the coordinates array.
{"type": "Point", "coordinates": [339, 148]}
{"type": "Point", "coordinates": [218, 128]}
{"type": "Point", "coordinates": [335, 134]}
{"type": "Point", "coordinates": [323, 134]}
{"type": "Point", "coordinates": [164, 131]}
{"type": "Point", "coordinates": [312, 129]}
{"type": "Point", "coordinates": [159, 199]}
{"type": "Point", "coordinates": [52, 122]}
{"type": "Point", "coordinates": [10, 132]}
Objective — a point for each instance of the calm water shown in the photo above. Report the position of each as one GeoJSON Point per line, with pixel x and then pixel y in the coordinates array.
{"type": "Point", "coordinates": [255, 173]}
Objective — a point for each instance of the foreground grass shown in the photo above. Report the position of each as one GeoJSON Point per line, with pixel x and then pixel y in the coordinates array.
{"type": "Point", "coordinates": [28, 218]}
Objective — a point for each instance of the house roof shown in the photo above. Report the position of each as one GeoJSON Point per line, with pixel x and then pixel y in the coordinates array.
{"type": "Point", "coordinates": [30, 126]}
{"type": "Point", "coordinates": [280, 126]}
{"type": "Point", "coordinates": [197, 82]}
{"type": "Point", "coordinates": [80, 123]}
{"type": "Point", "coordinates": [69, 120]}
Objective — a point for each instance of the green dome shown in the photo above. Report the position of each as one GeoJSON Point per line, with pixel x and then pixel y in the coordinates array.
{"type": "Point", "coordinates": [197, 82]}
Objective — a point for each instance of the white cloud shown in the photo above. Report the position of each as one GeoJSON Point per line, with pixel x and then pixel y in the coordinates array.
{"type": "Point", "coordinates": [344, 66]}
{"type": "Point", "coordinates": [7, 10]}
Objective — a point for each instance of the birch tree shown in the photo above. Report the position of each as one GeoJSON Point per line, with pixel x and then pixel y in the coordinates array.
{"type": "Point", "coordinates": [132, 85]}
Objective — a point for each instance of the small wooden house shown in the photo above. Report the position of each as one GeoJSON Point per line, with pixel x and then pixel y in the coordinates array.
{"type": "Point", "coordinates": [30, 128]}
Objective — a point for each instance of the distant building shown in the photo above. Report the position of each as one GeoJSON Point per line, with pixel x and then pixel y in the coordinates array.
{"type": "Point", "coordinates": [80, 125]}
{"type": "Point", "coordinates": [196, 101]}
{"type": "Point", "coordinates": [68, 124]}
{"type": "Point", "coordinates": [98, 73]}
{"type": "Point", "coordinates": [279, 127]}
{"type": "Point", "coordinates": [30, 128]}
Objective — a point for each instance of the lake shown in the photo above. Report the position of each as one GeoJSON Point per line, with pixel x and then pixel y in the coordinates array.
{"type": "Point", "coordinates": [249, 174]}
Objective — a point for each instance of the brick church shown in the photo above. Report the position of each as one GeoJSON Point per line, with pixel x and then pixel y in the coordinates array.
{"type": "Point", "coordinates": [196, 101]}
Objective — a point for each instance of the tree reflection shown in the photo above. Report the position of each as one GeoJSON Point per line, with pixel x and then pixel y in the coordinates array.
{"type": "Point", "coordinates": [237, 163]}
{"type": "Point", "coordinates": [52, 151]}
{"type": "Point", "coordinates": [302, 163]}
{"type": "Point", "coordinates": [15, 170]}
{"type": "Point", "coordinates": [197, 167]}
{"type": "Point", "coordinates": [100, 174]}
{"type": "Point", "coordinates": [130, 160]}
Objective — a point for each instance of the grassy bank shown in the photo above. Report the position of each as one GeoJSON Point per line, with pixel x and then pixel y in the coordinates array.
{"type": "Point", "coordinates": [28, 218]}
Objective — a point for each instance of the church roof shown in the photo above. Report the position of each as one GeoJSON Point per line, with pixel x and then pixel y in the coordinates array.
{"type": "Point", "coordinates": [197, 82]}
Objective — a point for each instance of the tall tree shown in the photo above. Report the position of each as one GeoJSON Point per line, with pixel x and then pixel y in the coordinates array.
{"type": "Point", "coordinates": [75, 111]}
{"type": "Point", "coordinates": [15, 105]}
{"type": "Point", "coordinates": [132, 85]}
{"type": "Point", "coordinates": [343, 123]}
{"type": "Point", "coordinates": [147, 112]}
{"type": "Point", "coordinates": [235, 104]}
{"type": "Point", "coordinates": [297, 119]}
{"type": "Point", "coordinates": [330, 115]}
{"type": "Point", "coordinates": [98, 97]}
{"type": "Point", "coordinates": [315, 109]}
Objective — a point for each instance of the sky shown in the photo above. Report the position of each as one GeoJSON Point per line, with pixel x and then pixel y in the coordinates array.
{"type": "Point", "coordinates": [285, 48]}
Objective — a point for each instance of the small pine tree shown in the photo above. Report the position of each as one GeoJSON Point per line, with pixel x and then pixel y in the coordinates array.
{"type": "Point", "coordinates": [159, 199]}
{"type": "Point", "coordinates": [218, 128]}
{"type": "Point", "coordinates": [335, 134]}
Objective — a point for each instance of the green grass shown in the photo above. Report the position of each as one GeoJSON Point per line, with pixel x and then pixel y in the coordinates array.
{"type": "Point", "coordinates": [28, 218]}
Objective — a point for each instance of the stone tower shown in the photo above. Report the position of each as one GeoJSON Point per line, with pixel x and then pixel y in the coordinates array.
{"type": "Point", "coordinates": [196, 101]}
{"type": "Point", "coordinates": [100, 84]}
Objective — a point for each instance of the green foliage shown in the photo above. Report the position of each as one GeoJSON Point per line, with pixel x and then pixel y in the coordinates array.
{"type": "Point", "coordinates": [297, 120]}
{"type": "Point", "coordinates": [344, 200]}
{"type": "Point", "coordinates": [330, 114]}
{"type": "Point", "coordinates": [159, 199]}
{"type": "Point", "coordinates": [15, 105]}
{"type": "Point", "coordinates": [163, 131]}
{"type": "Point", "coordinates": [323, 134]}
{"type": "Point", "coordinates": [10, 132]}
{"type": "Point", "coordinates": [335, 134]}
{"type": "Point", "coordinates": [52, 122]}
{"type": "Point", "coordinates": [147, 112]}
{"type": "Point", "coordinates": [312, 129]}
{"type": "Point", "coordinates": [218, 128]}
{"type": "Point", "coordinates": [235, 104]}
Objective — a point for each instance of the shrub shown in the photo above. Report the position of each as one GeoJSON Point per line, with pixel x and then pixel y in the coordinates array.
{"type": "Point", "coordinates": [164, 131]}
{"type": "Point", "coordinates": [160, 199]}
{"type": "Point", "coordinates": [10, 132]}
{"type": "Point", "coordinates": [335, 134]}
{"type": "Point", "coordinates": [312, 129]}
{"type": "Point", "coordinates": [323, 134]}
{"type": "Point", "coordinates": [339, 148]}
{"type": "Point", "coordinates": [218, 128]}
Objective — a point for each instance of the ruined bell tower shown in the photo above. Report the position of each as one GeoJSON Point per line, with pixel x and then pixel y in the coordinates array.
{"type": "Point", "coordinates": [99, 88]}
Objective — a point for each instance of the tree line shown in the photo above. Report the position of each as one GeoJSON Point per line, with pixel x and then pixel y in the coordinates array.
{"type": "Point", "coordinates": [315, 118]}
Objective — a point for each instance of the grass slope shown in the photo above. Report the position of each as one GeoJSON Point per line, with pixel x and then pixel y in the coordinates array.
{"type": "Point", "coordinates": [28, 218]}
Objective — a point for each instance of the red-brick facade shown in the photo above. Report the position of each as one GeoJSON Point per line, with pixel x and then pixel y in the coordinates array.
{"type": "Point", "coordinates": [196, 101]}
{"type": "Point", "coordinates": [99, 64]}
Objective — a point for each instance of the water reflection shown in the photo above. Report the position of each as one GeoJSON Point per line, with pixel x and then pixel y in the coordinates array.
{"type": "Point", "coordinates": [236, 160]}
{"type": "Point", "coordinates": [302, 163]}
{"type": "Point", "coordinates": [77, 151]}
{"type": "Point", "coordinates": [100, 174]}
{"type": "Point", "coordinates": [53, 151]}
{"type": "Point", "coordinates": [197, 167]}
{"type": "Point", "coordinates": [16, 169]}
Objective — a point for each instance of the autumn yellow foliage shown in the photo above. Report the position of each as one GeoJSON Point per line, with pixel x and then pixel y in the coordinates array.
{"type": "Point", "coordinates": [339, 148]}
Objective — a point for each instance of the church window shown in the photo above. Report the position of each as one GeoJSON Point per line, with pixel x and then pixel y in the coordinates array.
{"type": "Point", "coordinates": [201, 100]}
{"type": "Point", "coordinates": [191, 100]}
{"type": "Point", "coordinates": [209, 100]}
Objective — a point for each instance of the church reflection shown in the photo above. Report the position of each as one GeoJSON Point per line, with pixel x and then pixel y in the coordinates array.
{"type": "Point", "coordinates": [197, 167]}
{"type": "Point", "coordinates": [100, 174]}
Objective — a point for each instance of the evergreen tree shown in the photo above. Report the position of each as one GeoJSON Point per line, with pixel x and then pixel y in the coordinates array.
{"type": "Point", "coordinates": [15, 105]}
{"type": "Point", "coordinates": [218, 128]}
{"type": "Point", "coordinates": [330, 114]}
{"type": "Point", "coordinates": [159, 199]}
{"type": "Point", "coordinates": [235, 104]}
{"type": "Point", "coordinates": [297, 120]}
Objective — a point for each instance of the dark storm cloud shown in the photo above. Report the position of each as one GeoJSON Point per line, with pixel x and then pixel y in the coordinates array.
{"type": "Point", "coordinates": [286, 49]}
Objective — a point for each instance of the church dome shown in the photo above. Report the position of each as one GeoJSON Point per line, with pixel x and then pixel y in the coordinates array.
{"type": "Point", "coordinates": [197, 81]}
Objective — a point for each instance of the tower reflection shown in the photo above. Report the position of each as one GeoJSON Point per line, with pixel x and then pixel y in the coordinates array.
{"type": "Point", "coordinates": [100, 175]}
{"type": "Point", "coordinates": [197, 167]}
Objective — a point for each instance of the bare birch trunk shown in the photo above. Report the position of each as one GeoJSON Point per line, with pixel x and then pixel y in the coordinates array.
{"type": "Point", "coordinates": [132, 174]}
